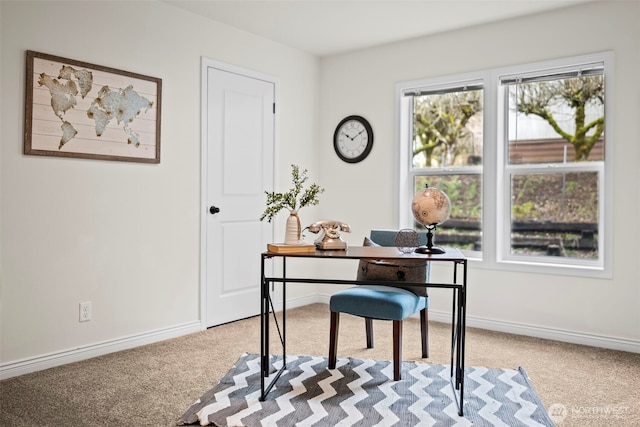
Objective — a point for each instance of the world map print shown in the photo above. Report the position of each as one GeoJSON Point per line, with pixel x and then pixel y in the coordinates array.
{"type": "Point", "coordinates": [123, 105]}
{"type": "Point", "coordinates": [77, 109]}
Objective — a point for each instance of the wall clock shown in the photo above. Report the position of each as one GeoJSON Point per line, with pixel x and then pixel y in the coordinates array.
{"type": "Point", "coordinates": [353, 139]}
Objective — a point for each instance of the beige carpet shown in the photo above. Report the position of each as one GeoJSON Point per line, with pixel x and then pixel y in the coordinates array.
{"type": "Point", "coordinates": [153, 385]}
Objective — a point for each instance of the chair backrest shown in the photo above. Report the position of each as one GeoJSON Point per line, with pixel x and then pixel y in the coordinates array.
{"type": "Point", "coordinates": [386, 237]}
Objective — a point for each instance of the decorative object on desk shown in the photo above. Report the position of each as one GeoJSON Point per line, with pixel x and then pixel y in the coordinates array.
{"type": "Point", "coordinates": [329, 238]}
{"type": "Point", "coordinates": [430, 208]}
{"type": "Point", "coordinates": [357, 390]}
{"type": "Point", "coordinates": [296, 198]}
{"type": "Point", "coordinates": [292, 229]}
{"type": "Point", "coordinates": [407, 240]}
{"type": "Point", "coordinates": [281, 248]}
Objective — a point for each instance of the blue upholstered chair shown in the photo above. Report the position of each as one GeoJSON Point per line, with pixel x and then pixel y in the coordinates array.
{"type": "Point", "coordinates": [384, 302]}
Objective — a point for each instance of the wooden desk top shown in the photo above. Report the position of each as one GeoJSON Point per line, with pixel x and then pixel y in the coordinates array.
{"type": "Point", "coordinates": [374, 252]}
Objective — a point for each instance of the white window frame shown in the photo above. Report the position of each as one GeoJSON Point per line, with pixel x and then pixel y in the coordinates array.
{"type": "Point", "coordinates": [496, 206]}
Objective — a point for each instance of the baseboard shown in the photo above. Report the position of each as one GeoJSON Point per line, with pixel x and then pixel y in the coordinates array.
{"type": "Point", "coordinates": [542, 332]}
{"type": "Point", "coordinates": [590, 340]}
{"type": "Point", "coordinates": [301, 302]}
{"type": "Point", "coordinates": [26, 366]}
{"type": "Point", "coordinates": [533, 331]}
{"type": "Point", "coordinates": [39, 363]}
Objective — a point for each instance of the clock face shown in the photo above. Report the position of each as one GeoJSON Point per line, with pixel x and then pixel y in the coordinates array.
{"type": "Point", "coordinates": [353, 139]}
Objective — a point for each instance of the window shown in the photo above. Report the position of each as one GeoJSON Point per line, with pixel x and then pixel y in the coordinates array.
{"type": "Point", "coordinates": [447, 152]}
{"type": "Point", "coordinates": [522, 154]}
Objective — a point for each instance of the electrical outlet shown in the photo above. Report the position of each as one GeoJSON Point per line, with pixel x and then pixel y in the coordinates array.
{"type": "Point", "coordinates": [85, 311]}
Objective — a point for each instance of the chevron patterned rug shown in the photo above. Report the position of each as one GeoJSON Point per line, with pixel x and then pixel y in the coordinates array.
{"type": "Point", "coordinates": [363, 393]}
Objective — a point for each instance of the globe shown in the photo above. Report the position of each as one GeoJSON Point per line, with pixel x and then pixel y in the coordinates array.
{"type": "Point", "coordinates": [430, 206]}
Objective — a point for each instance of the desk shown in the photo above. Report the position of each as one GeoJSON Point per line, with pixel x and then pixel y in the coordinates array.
{"type": "Point", "coordinates": [458, 310]}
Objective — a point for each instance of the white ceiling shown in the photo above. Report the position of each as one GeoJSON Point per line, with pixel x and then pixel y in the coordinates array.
{"type": "Point", "coordinates": [327, 27]}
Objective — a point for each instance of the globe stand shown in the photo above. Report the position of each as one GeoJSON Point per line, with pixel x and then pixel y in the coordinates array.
{"type": "Point", "coordinates": [429, 248]}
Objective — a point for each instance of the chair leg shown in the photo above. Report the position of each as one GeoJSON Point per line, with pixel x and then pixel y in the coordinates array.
{"type": "Point", "coordinates": [424, 331]}
{"type": "Point", "coordinates": [368, 324]}
{"type": "Point", "coordinates": [397, 349]}
{"type": "Point", "coordinates": [333, 339]}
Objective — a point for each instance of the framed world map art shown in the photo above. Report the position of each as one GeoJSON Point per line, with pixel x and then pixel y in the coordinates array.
{"type": "Point", "coordinates": [77, 109]}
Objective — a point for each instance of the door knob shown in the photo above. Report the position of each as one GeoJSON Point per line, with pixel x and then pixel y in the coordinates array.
{"type": "Point", "coordinates": [214, 210]}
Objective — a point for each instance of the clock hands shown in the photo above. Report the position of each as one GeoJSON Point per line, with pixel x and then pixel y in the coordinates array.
{"type": "Point", "coordinates": [354, 136]}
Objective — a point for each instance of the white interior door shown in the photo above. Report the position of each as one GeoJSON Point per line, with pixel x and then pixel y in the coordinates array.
{"type": "Point", "coordinates": [239, 148]}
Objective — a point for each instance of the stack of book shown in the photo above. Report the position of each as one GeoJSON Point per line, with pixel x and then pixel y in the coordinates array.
{"type": "Point", "coordinates": [281, 248]}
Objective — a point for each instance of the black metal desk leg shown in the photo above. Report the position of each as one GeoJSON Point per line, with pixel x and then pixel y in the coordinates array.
{"type": "Point", "coordinates": [454, 335]}
{"type": "Point", "coordinates": [459, 333]}
{"type": "Point", "coordinates": [264, 327]}
{"type": "Point", "coordinates": [267, 309]}
{"type": "Point", "coordinates": [463, 329]}
{"type": "Point", "coordinates": [283, 339]}
{"type": "Point", "coordinates": [460, 359]}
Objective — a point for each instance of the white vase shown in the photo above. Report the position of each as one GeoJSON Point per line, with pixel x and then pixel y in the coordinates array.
{"type": "Point", "coordinates": [292, 231]}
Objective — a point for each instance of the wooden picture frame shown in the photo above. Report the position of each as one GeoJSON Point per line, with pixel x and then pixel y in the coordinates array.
{"type": "Point", "coordinates": [77, 109]}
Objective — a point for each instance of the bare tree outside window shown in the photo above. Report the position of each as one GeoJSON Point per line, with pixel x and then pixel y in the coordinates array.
{"type": "Point", "coordinates": [572, 107]}
{"type": "Point", "coordinates": [442, 129]}
{"type": "Point", "coordinates": [555, 122]}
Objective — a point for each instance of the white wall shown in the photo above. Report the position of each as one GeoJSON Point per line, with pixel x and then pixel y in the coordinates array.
{"type": "Point", "coordinates": [597, 311]}
{"type": "Point", "coordinates": [125, 236]}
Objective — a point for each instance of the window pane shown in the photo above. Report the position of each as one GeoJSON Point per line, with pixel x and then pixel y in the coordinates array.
{"type": "Point", "coordinates": [447, 129]}
{"type": "Point", "coordinates": [556, 121]}
{"type": "Point", "coordinates": [555, 214]}
{"type": "Point", "coordinates": [462, 230]}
